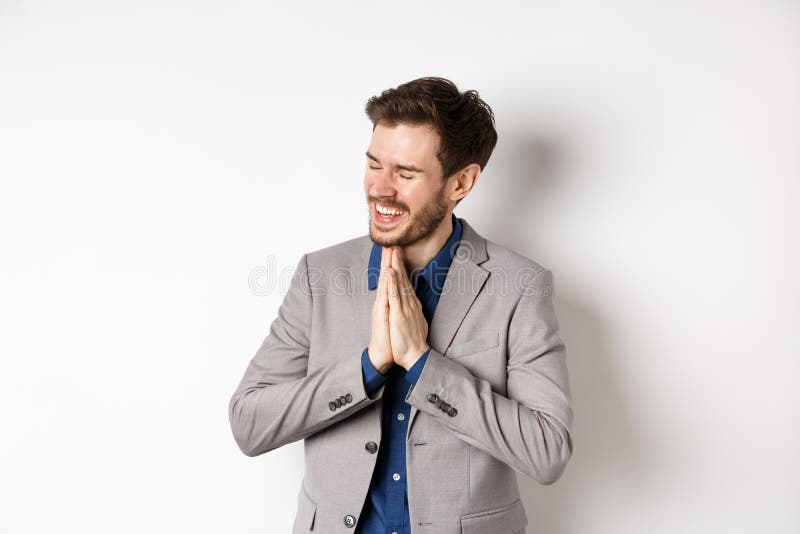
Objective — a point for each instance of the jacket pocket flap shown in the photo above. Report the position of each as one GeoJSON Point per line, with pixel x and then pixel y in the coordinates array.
{"type": "Point", "coordinates": [306, 511]}
{"type": "Point", "coordinates": [511, 518]}
{"type": "Point", "coordinates": [479, 343]}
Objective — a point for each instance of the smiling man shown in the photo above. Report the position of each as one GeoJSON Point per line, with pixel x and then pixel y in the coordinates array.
{"type": "Point", "coordinates": [422, 389]}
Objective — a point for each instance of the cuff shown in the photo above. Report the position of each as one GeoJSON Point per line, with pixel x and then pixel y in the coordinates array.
{"type": "Point", "coordinates": [372, 378]}
{"type": "Point", "coordinates": [412, 375]}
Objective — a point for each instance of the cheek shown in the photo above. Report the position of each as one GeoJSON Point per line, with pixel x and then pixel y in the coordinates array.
{"type": "Point", "coordinates": [415, 199]}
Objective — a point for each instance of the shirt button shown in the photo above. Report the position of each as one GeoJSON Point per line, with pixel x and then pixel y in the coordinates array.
{"type": "Point", "coordinates": [396, 476]}
{"type": "Point", "coordinates": [400, 416]}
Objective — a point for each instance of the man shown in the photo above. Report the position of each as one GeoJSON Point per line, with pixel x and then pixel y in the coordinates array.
{"type": "Point", "coordinates": [422, 394]}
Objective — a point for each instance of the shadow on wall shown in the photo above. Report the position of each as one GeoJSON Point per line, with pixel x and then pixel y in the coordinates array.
{"type": "Point", "coordinates": [605, 455]}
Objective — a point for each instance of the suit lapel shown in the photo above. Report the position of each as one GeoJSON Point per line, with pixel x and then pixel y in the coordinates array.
{"type": "Point", "coordinates": [465, 280]}
{"type": "Point", "coordinates": [362, 297]}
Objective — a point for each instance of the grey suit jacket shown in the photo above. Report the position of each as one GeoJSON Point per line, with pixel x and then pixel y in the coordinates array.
{"type": "Point", "coordinates": [493, 398]}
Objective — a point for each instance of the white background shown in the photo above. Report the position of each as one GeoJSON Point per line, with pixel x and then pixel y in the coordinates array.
{"type": "Point", "coordinates": [155, 154]}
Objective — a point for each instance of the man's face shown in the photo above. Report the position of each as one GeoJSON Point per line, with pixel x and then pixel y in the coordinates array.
{"type": "Point", "coordinates": [403, 174]}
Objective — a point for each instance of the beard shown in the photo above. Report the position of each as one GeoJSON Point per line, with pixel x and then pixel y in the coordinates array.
{"type": "Point", "coordinates": [417, 227]}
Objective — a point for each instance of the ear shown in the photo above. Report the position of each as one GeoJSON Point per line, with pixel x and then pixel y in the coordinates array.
{"type": "Point", "coordinates": [463, 181]}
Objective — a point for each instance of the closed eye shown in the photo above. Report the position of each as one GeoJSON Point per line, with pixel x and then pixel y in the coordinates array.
{"type": "Point", "coordinates": [401, 176]}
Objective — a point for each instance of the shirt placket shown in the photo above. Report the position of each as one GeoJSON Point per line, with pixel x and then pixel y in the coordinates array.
{"type": "Point", "coordinates": [396, 499]}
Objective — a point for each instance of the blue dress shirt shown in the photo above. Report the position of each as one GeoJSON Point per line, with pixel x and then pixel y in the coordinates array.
{"type": "Point", "coordinates": [386, 508]}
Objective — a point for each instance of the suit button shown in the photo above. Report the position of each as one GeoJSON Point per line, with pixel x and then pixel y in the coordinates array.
{"type": "Point", "coordinates": [349, 521]}
{"type": "Point", "coordinates": [348, 398]}
{"type": "Point", "coordinates": [371, 446]}
{"type": "Point", "coordinates": [343, 400]}
{"type": "Point", "coordinates": [338, 403]}
{"type": "Point", "coordinates": [452, 412]}
{"type": "Point", "coordinates": [332, 405]}
{"type": "Point", "coordinates": [433, 398]}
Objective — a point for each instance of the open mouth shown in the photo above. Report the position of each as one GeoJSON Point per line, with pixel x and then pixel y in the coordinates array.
{"type": "Point", "coordinates": [387, 216]}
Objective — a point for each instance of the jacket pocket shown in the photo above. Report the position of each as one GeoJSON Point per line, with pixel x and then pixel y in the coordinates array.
{"type": "Point", "coordinates": [306, 512]}
{"type": "Point", "coordinates": [505, 520]}
{"type": "Point", "coordinates": [480, 342]}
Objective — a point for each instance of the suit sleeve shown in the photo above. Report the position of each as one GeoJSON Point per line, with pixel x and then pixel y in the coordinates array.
{"type": "Point", "coordinates": [529, 429]}
{"type": "Point", "coordinates": [278, 400]}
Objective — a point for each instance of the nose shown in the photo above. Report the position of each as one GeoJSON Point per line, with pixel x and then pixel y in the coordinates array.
{"type": "Point", "coordinates": [382, 185]}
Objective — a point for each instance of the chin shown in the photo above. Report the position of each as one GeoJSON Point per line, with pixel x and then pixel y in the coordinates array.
{"type": "Point", "coordinates": [391, 238]}
{"type": "Point", "coordinates": [383, 239]}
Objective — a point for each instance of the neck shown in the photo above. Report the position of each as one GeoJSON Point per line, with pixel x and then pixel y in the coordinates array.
{"type": "Point", "coordinates": [420, 253]}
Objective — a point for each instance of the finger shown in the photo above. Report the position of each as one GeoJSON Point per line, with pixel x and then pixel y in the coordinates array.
{"type": "Point", "coordinates": [385, 256]}
{"type": "Point", "coordinates": [382, 284]}
{"type": "Point", "coordinates": [383, 279]}
{"type": "Point", "coordinates": [410, 300]}
{"type": "Point", "coordinates": [403, 283]}
{"type": "Point", "coordinates": [394, 297]}
{"type": "Point", "coordinates": [396, 280]}
{"type": "Point", "coordinates": [401, 260]}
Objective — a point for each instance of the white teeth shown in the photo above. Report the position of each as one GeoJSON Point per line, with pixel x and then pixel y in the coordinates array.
{"type": "Point", "coordinates": [388, 211]}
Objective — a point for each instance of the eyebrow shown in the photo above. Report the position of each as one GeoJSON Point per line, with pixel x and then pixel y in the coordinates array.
{"type": "Point", "coordinates": [409, 168]}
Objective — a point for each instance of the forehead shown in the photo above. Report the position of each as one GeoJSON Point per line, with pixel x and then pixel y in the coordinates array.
{"type": "Point", "coordinates": [405, 144]}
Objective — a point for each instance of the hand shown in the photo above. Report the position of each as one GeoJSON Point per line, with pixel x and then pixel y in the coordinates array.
{"type": "Point", "coordinates": [380, 347]}
{"type": "Point", "coordinates": [408, 328]}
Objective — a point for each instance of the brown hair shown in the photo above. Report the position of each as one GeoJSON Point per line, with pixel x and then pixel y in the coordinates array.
{"type": "Point", "coordinates": [464, 122]}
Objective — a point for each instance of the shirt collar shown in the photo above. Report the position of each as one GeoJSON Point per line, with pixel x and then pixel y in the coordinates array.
{"type": "Point", "coordinates": [434, 272]}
